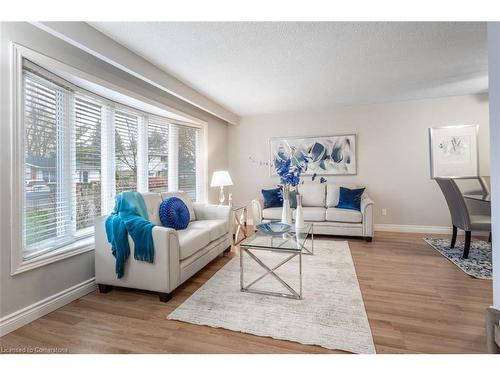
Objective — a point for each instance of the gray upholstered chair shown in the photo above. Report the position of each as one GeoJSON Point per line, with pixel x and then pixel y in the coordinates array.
{"type": "Point", "coordinates": [460, 215]}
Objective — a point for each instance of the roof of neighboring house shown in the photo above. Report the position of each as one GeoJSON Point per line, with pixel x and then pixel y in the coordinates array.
{"type": "Point", "coordinates": [41, 162]}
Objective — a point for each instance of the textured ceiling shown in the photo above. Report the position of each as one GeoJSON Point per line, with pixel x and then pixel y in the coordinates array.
{"type": "Point", "coordinates": [256, 68]}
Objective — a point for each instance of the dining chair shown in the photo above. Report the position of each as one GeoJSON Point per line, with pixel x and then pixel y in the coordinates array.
{"type": "Point", "coordinates": [460, 215]}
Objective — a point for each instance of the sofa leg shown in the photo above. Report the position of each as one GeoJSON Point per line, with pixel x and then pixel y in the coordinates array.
{"type": "Point", "coordinates": [165, 297]}
{"type": "Point", "coordinates": [103, 288]}
{"type": "Point", "coordinates": [227, 250]}
{"type": "Point", "coordinates": [368, 239]}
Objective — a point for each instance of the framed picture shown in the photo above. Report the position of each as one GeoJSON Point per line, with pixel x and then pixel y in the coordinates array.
{"type": "Point", "coordinates": [324, 155]}
{"type": "Point", "coordinates": [454, 151]}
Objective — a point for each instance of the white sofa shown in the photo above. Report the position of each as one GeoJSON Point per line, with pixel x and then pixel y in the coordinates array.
{"type": "Point", "coordinates": [179, 254]}
{"type": "Point", "coordinates": [318, 202]}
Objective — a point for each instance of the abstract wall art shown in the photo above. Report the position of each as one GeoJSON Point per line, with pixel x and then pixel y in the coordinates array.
{"type": "Point", "coordinates": [323, 155]}
{"type": "Point", "coordinates": [454, 151]}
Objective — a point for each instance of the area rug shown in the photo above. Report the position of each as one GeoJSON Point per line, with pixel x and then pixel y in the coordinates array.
{"type": "Point", "coordinates": [331, 313]}
{"type": "Point", "coordinates": [478, 264]}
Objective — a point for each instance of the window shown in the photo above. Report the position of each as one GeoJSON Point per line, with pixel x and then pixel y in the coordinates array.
{"type": "Point", "coordinates": [44, 208]}
{"type": "Point", "coordinates": [187, 160]}
{"type": "Point", "coordinates": [126, 132]}
{"type": "Point", "coordinates": [71, 173]}
{"type": "Point", "coordinates": [87, 169]}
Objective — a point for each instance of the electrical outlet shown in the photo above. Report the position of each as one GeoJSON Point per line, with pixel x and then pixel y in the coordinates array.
{"type": "Point", "coordinates": [384, 211]}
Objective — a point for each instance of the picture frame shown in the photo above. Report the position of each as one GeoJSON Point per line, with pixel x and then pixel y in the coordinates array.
{"type": "Point", "coordinates": [454, 151]}
{"type": "Point", "coordinates": [327, 155]}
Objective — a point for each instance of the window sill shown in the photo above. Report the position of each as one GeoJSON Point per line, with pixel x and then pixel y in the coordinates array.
{"type": "Point", "coordinates": [76, 248]}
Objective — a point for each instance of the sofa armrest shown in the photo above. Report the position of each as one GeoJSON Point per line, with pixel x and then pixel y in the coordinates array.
{"type": "Point", "coordinates": [257, 207]}
{"type": "Point", "coordinates": [163, 275]}
{"type": "Point", "coordinates": [167, 253]}
{"type": "Point", "coordinates": [367, 212]}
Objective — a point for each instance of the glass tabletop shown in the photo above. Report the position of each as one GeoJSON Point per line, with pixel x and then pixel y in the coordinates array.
{"type": "Point", "coordinates": [237, 207]}
{"type": "Point", "coordinates": [290, 241]}
{"type": "Point", "coordinates": [479, 197]}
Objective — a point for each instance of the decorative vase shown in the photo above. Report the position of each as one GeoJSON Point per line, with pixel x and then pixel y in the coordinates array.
{"type": "Point", "coordinates": [299, 215]}
{"type": "Point", "coordinates": [286, 215]}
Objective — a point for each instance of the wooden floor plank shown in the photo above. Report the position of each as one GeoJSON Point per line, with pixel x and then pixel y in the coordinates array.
{"type": "Point", "coordinates": [416, 302]}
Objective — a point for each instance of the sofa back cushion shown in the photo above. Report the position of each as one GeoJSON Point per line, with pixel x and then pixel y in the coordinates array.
{"type": "Point", "coordinates": [313, 195]}
{"type": "Point", "coordinates": [332, 193]}
{"type": "Point", "coordinates": [184, 197]}
{"type": "Point", "coordinates": [153, 201]}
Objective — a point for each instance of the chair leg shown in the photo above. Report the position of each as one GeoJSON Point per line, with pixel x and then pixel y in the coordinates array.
{"type": "Point", "coordinates": [453, 237]}
{"type": "Point", "coordinates": [489, 238]}
{"type": "Point", "coordinates": [467, 244]}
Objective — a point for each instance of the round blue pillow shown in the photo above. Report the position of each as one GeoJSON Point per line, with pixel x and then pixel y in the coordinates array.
{"type": "Point", "coordinates": [174, 213]}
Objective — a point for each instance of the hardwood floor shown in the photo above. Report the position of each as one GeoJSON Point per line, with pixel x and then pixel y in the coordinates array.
{"type": "Point", "coordinates": [416, 301]}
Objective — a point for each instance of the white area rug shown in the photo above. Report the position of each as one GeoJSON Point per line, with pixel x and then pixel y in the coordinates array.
{"type": "Point", "coordinates": [331, 313]}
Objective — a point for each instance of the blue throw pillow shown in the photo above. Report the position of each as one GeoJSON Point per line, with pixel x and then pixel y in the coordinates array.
{"type": "Point", "coordinates": [174, 213]}
{"type": "Point", "coordinates": [272, 198]}
{"type": "Point", "coordinates": [350, 198]}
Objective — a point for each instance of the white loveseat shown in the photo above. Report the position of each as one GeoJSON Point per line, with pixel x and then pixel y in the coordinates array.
{"type": "Point", "coordinates": [318, 202]}
{"type": "Point", "coordinates": [179, 254]}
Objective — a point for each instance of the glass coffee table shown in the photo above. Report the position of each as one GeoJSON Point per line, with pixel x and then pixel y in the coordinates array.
{"type": "Point", "coordinates": [292, 244]}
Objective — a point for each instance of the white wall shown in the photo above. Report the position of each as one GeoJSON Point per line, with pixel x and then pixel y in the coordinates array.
{"type": "Point", "coordinates": [393, 151]}
{"type": "Point", "coordinates": [494, 89]}
{"type": "Point", "coordinates": [29, 287]}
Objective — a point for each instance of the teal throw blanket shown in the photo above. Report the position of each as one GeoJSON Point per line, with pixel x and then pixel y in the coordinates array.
{"type": "Point", "coordinates": [130, 216]}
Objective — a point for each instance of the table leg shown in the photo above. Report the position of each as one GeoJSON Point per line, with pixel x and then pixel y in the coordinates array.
{"type": "Point", "coordinates": [241, 268]}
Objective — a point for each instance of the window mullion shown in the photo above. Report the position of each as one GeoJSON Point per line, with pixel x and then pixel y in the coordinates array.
{"type": "Point", "coordinates": [173, 158]}
{"type": "Point", "coordinates": [142, 155]}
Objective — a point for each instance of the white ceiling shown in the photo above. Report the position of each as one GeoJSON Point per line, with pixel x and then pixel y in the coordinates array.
{"type": "Point", "coordinates": [256, 68]}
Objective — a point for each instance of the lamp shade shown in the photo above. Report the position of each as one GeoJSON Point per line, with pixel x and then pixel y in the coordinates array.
{"type": "Point", "coordinates": [221, 178]}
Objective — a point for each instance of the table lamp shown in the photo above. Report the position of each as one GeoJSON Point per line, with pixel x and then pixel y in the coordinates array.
{"type": "Point", "coordinates": [221, 179]}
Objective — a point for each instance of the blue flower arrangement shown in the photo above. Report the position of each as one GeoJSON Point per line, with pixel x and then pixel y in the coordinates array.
{"type": "Point", "coordinates": [289, 171]}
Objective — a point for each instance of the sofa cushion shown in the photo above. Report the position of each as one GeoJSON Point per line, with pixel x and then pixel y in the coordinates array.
{"type": "Point", "coordinates": [273, 213]}
{"type": "Point", "coordinates": [184, 197]}
{"type": "Point", "coordinates": [314, 213]}
{"type": "Point", "coordinates": [343, 215]}
{"type": "Point", "coordinates": [216, 227]}
{"type": "Point", "coordinates": [313, 195]}
{"type": "Point", "coordinates": [153, 201]}
{"type": "Point", "coordinates": [192, 240]}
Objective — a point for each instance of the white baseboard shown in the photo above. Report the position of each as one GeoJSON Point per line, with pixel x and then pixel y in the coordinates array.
{"type": "Point", "coordinates": [27, 314]}
{"type": "Point", "coordinates": [412, 228]}
{"type": "Point", "coordinates": [418, 229]}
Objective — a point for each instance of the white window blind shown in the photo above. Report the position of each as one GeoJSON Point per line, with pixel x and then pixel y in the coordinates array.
{"type": "Point", "coordinates": [81, 149]}
{"type": "Point", "coordinates": [158, 150]}
{"type": "Point", "coordinates": [48, 220]}
{"type": "Point", "coordinates": [87, 169]}
{"type": "Point", "coordinates": [126, 163]}
{"type": "Point", "coordinates": [187, 168]}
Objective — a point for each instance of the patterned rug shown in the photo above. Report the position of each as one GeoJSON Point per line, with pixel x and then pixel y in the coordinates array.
{"type": "Point", "coordinates": [478, 264]}
{"type": "Point", "coordinates": [331, 314]}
